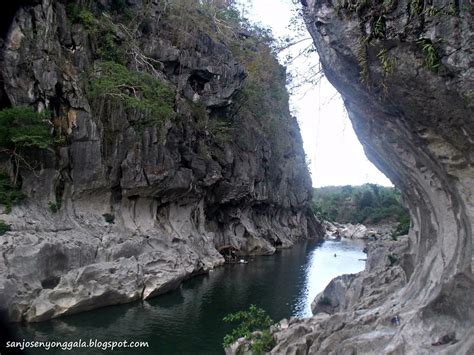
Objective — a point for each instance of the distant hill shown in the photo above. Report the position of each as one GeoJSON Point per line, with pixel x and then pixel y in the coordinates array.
{"type": "Point", "coordinates": [367, 204]}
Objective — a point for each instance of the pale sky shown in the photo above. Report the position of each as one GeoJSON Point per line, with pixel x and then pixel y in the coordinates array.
{"type": "Point", "coordinates": [335, 154]}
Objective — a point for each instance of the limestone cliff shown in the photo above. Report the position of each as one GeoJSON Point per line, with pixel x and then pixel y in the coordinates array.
{"type": "Point", "coordinates": [405, 71]}
{"type": "Point", "coordinates": [140, 191]}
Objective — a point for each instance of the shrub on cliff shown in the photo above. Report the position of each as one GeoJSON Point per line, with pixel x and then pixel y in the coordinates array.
{"type": "Point", "coordinates": [252, 320]}
{"type": "Point", "coordinates": [109, 36]}
{"type": "Point", "coordinates": [21, 129]}
{"type": "Point", "coordinates": [4, 227]}
{"type": "Point", "coordinates": [403, 225]}
{"type": "Point", "coordinates": [10, 194]}
{"type": "Point", "coordinates": [134, 89]}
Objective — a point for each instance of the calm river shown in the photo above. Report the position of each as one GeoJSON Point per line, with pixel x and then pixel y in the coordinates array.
{"type": "Point", "coordinates": [189, 319]}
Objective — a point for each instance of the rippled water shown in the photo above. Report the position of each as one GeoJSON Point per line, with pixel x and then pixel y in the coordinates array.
{"type": "Point", "coordinates": [189, 319]}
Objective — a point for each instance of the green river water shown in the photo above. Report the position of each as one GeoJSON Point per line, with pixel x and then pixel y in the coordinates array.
{"type": "Point", "coordinates": [189, 319]}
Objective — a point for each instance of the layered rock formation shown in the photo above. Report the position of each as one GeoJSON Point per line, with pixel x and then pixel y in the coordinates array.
{"type": "Point", "coordinates": [405, 72]}
{"type": "Point", "coordinates": [141, 206]}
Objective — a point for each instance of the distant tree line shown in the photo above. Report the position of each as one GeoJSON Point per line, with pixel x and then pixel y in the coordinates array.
{"type": "Point", "coordinates": [367, 204]}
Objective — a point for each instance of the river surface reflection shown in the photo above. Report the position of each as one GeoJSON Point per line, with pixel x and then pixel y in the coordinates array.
{"type": "Point", "coordinates": [189, 319]}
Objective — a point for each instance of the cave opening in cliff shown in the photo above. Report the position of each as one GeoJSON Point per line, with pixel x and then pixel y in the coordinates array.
{"type": "Point", "coordinates": [230, 253]}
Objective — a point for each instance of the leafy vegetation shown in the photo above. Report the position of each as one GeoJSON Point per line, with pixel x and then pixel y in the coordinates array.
{"type": "Point", "coordinates": [374, 13]}
{"type": "Point", "coordinates": [22, 127]}
{"type": "Point", "coordinates": [134, 89]}
{"type": "Point", "coordinates": [109, 218]}
{"type": "Point", "coordinates": [4, 227]}
{"type": "Point", "coordinates": [379, 27]}
{"type": "Point", "coordinates": [10, 194]}
{"type": "Point", "coordinates": [252, 320]}
{"type": "Point", "coordinates": [431, 59]}
{"type": "Point", "coordinates": [416, 7]}
{"type": "Point", "coordinates": [384, 61]}
{"type": "Point", "coordinates": [114, 36]}
{"type": "Point", "coordinates": [264, 97]}
{"type": "Point", "coordinates": [393, 258]}
{"type": "Point", "coordinates": [82, 15]}
{"type": "Point", "coordinates": [387, 67]}
{"type": "Point", "coordinates": [433, 10]}
{"type": "Point", "coordinates": [363, 60]}
{"type": "Point", "coordinates": [403, 225]}
{"type": "Point", "coordinates": [368, 203]}
{"type": "Point", "coordinates": [103, 32]}
{"type": "Point", "coordinates": [54, 207]}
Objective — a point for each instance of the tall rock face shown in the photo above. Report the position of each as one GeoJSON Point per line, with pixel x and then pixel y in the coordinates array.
{"type": "Point", "coordinates": [158, 166]}
{"type": "Point", "coordinates": [405, 71]}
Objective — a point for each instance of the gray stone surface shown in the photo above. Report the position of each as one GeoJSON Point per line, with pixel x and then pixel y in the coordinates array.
{"type": "Point", "coordinates": [381, 278]}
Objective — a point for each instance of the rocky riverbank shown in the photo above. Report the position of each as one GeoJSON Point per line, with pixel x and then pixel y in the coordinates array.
{"type": "Point", "coordinates": [336, 230]}
{"type": "Point", "coordinates": [348, 305]}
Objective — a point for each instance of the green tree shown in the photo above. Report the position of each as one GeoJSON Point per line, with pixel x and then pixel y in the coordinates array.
{"type": "Point", "coordinates": [366, 200]}
{"type": "Point", "coordinates": [368, 203]}
{"type": "Point", "coordinates": [22, 128]}
{"type": "Point", "coordinates": [10, 194]}
{"type": "Point", "coordinates": [134, 89]}
{"type": "Point", "coordinates": [252, 320]}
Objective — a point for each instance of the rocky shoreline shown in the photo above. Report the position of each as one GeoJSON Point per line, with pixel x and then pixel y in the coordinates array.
{"type": "Point", "coordinates": [350, 301]}
{"type": "Point", "coordinates": [336, 230]}
{"type": "Point", "coordinates": [351, 304]}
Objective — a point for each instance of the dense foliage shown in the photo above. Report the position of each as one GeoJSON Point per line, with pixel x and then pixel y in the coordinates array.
{"type": "Point", "coordinates": [4, 227]}
{"type": "Point", "coordinates": [122, 74]}
{"type": "Point", "coordinates": [252, 320]}
{"type": "Point", "coordinates": [54, 207]}
{"type": "Point", "coordinates": [135, 89]}
{"type": "Point", "coordinates": [368, 204]}
{"type": "Point", "coordinates": [10, 194]}
{"type": "Point", "coordinates": [22, 127]}
{"type": "Point", "coordinates": [104, 32]}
